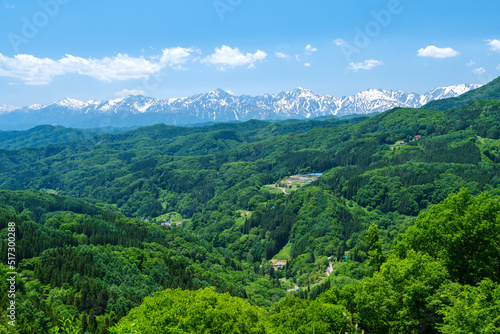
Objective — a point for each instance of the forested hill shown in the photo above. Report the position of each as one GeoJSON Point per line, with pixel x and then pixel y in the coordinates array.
{"type": "Point", "coordinates": [491, 91]}
{"type": "Point", "coordinates": [44, 135]}
{"type": "Point", "coordinates": [105, 221]}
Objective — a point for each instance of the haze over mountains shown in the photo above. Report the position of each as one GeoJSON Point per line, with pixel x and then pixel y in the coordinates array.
{"type": "Point", "coordinates": [215, 106]}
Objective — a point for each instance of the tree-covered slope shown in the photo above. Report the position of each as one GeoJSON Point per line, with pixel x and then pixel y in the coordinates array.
{"type": "Point", "coordinates": [421, 288]}
{"type": "Point", "coordinates": [233, 190]}
{"type": "Point", "coordinates": [42, 135]}
{"type": "Point", "coordinates": [490, 91]}
{"type": "Point", "coordinates": [75, 258]}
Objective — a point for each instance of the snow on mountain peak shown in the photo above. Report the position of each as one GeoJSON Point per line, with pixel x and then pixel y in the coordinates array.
{"type": "Point", "coordinates": [219, 105]}
{"type": "Point", "coordinates": [35, 107]}
{"type": "Point", "coordinates": [446, 92]}
{"type": "Point", "coordinates": [71, 103]}
{"type": "Point", "coordinates": [216, 93]}
{"type": "Point", "coordinates": [6, 109]}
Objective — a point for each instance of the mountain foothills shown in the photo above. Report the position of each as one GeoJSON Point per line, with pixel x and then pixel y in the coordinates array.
{"type": "Point", "coordinates": [489, 92]}
{"type": "Point", "coordinates": [213, 106]}
{"type": "Point", "coordinates": [382, 224]}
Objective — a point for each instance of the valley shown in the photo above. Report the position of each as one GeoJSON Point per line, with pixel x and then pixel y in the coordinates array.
{"type": "Point", "coordinates": [327, 224]}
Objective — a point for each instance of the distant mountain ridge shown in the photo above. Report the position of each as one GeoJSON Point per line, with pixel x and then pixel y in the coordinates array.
{"type": "Point", "coordinates": [490, 91]}
{"type": "Point", "coordinates": [217, 105]}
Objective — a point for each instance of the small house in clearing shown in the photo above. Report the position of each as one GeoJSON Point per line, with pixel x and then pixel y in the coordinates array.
{"type": "Point", "coordinates": [278, 265]}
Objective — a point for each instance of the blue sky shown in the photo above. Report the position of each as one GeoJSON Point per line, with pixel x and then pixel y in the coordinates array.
{"type": "Point", "coordinates": [52, 49]}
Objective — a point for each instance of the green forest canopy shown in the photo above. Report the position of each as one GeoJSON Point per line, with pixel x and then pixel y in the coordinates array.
{"type": "Point", "coordinates": [405, 215]}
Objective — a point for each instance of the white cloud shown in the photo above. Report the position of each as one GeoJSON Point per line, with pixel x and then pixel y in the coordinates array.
{"type": "Point", "coordinates": [307, 64]}
{"type": "Point", "coordinates": [470, 63]}
{"type": "Point", "coordinates": [494, 44]}
{"type": "Point", "coordinates": [8, 6]}
{"type": "Point", "coordinates": [282, 55]}
{"type": "Point", "coordinates": [479, 71]}
{"type": "Point", "coordinates": [309, 49]}
{"type": "Point", "coordinates": [176, 57]}
{"type": "Point", "coordinates": [118, 68]}
{"type": "Point", "coordinates": [227, 56]}
{"type": "Point", "coordinates": [339, 41]}
{"type": "Point", "coordinates": [435, 52]}
{"type": "Point", "coordinates": [32, 70]}
{"type": "Point", "coordinates": [126, 92]}
{"type": "Point", "coordinates": [297, 57]}
{"type": "Point", "coordinates": [366, 65]}
{"type": "Point", "coordinates": [498, 67]}
{"type": "Point", "coordinates": [41, 71]}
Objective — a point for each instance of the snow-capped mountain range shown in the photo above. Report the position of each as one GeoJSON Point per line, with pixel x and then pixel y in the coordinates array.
{"type": "Point", "coordinates": [215, 106]}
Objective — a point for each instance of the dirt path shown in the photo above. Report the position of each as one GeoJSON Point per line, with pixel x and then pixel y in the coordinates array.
{"type": "Point", "coordinates": [284, 190]}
